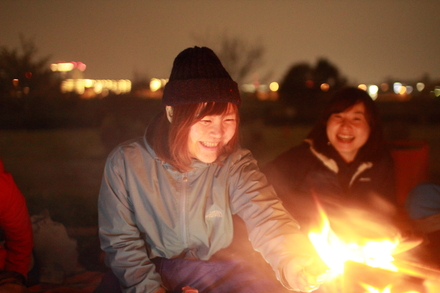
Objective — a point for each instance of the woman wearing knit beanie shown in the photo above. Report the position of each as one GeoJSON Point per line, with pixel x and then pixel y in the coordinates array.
{"type": "Point", "coordinates": [167, 199]}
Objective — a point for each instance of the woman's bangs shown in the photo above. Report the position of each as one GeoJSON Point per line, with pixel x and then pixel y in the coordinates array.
{"type": "Point", "coordinates": [342, 105]}
{"type": "Point", "coordinates": [213, 108]}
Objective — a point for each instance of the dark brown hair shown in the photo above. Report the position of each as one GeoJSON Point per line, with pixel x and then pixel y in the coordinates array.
{"type": "Point", "coordinates": [342, 100]}
{"type": "Point", "coordinates": [170, 140]}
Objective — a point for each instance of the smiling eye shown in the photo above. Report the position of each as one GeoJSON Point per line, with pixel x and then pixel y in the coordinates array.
{"type": "Point", "coordinates": [358, 118]}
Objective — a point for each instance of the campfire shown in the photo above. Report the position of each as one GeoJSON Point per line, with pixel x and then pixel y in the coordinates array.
{"type": "Point", "coordinates": [362, 265]}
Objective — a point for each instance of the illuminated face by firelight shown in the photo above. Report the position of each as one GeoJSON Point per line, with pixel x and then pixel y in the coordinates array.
{"type": "Point", "coordinates": [348, 131]}
{"type": "Point", "coordinates": [209, 135]}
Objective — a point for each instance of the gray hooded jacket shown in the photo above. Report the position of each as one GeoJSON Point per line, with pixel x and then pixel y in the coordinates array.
{"type": "Point", "coordinates": [147, 209]}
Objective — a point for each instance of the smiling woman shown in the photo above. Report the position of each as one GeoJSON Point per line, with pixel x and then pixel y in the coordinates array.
{"type": "Point", "coordinates": [343, 161]}
{"type": "Point", "coordinates": [167, 199]}
{"type": "Point", "coordinates": [205, 131]}
{"type": "Point", "coordinates": [211, 134]}
{"type": "Point", "coordinates": [348, 131]}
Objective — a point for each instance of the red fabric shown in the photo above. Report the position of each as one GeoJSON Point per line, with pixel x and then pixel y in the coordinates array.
{"type": "Point", "coordinates": [16, 223]}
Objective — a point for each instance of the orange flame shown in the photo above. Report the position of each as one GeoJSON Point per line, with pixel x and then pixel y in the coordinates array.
{"type": "Point", "coordinates": [387, 289]}
{"type": "Point", "coordinates": [335, 252]}
{"type": "Point", "coordinates": [371, 289]}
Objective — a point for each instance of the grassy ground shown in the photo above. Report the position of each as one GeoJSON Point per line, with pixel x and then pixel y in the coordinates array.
{"type": "Point", "coordinates": [62, 169]}
{"type": "Point", "coordinates": [57, 169]}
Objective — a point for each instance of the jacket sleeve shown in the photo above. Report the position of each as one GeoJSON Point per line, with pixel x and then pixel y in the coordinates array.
{"type": "Point", "coordinates": [287, 171]}
{"type": "Point", "coordinates": [272, 230]}
{"type": "Point", "coordinates": [126, 251]}
{"type": "Point", "coordinates": [16, 223]}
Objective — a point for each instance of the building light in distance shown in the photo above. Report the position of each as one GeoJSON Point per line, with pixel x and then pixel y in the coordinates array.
{"type": "Point", "coordinates": [155, 84]}
{"type": "Point", "coordinates": [362, 87]}
{"type": "Point", "coordinates": [274, 86]}
{"type": "Point", "coordinates": [325, 87]}
{"type": "Point", "coordinates": [373, 91]}
{"type": "Point", "coordinates": [67, 66]}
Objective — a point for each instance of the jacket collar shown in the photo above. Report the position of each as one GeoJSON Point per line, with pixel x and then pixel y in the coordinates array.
{"type": "Point", "coordinates": [333, 166]}
{"type": "Point", "coordinates": [195, 165]}
{"type": "Point", "coordinates": [328, 162]}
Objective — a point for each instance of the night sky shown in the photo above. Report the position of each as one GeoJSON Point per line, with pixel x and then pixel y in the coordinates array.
{"type": "Point", "coordinates": [367, 40]}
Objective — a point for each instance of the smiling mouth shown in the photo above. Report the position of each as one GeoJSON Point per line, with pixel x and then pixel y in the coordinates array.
{"type": "Point", "coordinates": [209, 144]}
{"type": "Point", "coordinates": [346, 138]}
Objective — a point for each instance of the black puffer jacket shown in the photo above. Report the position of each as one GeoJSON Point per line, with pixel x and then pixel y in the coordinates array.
{"type": "Point", "coordinates": [300, 173]}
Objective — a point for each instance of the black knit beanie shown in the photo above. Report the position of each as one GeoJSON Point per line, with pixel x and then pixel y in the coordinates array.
{"type": "Point", "coordinates": [198, 76]}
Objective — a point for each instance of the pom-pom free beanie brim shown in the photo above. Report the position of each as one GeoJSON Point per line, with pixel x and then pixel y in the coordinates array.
{"type": "Point", "coordinates": [199, 77]}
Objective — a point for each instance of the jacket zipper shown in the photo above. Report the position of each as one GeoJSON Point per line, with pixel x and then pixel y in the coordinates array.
{"type": "Point", "coordinates": [183, 210]}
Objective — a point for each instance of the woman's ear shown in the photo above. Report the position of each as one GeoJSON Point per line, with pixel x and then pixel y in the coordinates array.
{"type": "Point", "coordinates": [169, 111]}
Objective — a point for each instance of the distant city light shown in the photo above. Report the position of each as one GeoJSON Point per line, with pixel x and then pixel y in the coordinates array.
{"type": "Point", "coordinates": [274, 86]}
{"type": "Point", "coordinates": [384, 87]}
{"type": "Point", "coordinates": [362, 87]}
{"type": "Point", "coordinates": [397, 87]}
{"type": "Point", "coordinates": [325, 87]}
{"type": "Point", "coordinates": [71, 74]}
{"type": "Point", "coordinates": [372, 91]}
{"type": "Point", "coordinates": [62, 67]}
{"type": "Point", "coordinates": [248, 88]}
{"type": "Point", "coordinates": [401, 89]}
{"type": "Point", "coordinates": [88, 82]}
{"type": "Point", "coordinates": [67, 86]}
{"type": "Point", "coordinates": [155, 84]}
{"type": "Point", "coordinates": [81, 66]}
{"type": "Point", "coordinates": [437, 91]}
{"type": "Point", "coordinates": [97, 86]}
{"type": "Point", "coordinates": [263, 88]}
{"type": "Point", "coordinates": [67, 66]}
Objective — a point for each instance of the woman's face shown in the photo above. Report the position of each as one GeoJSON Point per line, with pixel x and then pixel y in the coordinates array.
{"type": "Point", "coordinates": [348, 131]}
{"type": "Point", "coordinates": [208, 136]}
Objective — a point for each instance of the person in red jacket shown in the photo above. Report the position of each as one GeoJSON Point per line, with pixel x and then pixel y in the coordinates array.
{"type": "Point", "coordinates": [17, 241]}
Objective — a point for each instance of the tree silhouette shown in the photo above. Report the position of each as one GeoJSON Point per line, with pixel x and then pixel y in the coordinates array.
{"type": "Point", "coordinates": [297, 84]}
{"type": "Point", "coordinates": [326, 72]}
{"type": "Point", "coordinates": [240, 57]}
{"type": "Point", "coordinates": [303, 81]}
{"type": "Point", "coordinates": [28, 88]}
{"type": "Point", "coordinates": [22, 73]}
{"type": "Point", "coordinates": [302, 87]}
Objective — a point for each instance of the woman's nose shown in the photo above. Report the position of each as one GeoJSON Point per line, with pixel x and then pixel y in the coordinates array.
{"type": "Point", "coordinates": [345, 123]}
{"type": "Point", "coordinates": [216, 130]}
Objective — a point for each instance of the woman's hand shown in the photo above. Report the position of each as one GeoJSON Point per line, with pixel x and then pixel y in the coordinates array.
{"type": "Point", "coordinates": [305, 273]}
